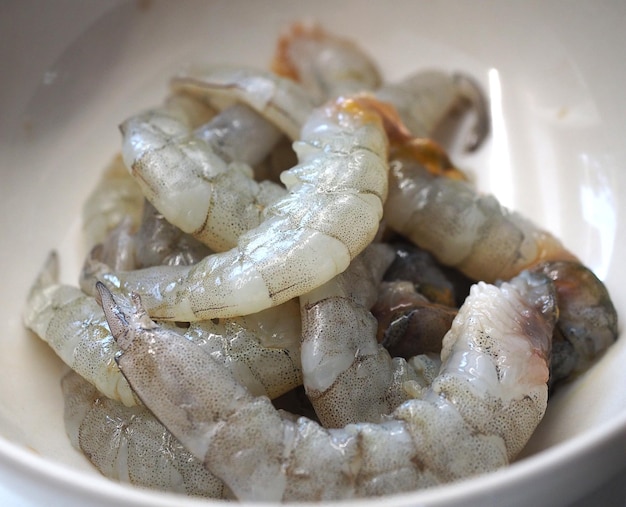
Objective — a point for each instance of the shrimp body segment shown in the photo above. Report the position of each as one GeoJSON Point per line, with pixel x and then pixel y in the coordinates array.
{"type": "Point", "coordinates": [330, 214]}
{"type": "Point", "coordinates": [326, 65]}
{"type": "Point", "coordinates": [462, 228]}
{"type": "Point", "coordinates": [129, 445]}
{"type": "Point", "coordinates": [490, 394]}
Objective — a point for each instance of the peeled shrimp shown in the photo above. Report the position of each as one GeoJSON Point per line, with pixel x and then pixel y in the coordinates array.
{"type": "Point", "coordinates": [331, 213]}
{"type": "Point", "coordinates": [261, 350]}
{"type": "Point", "coordinates": [490, 394]}
{"type": "Point", "coordinates": [326, 65]}
{"type": "Point", "coordinates": [73, 325]}
{"type": "Point", "coordinates": [198, 191]}
{"type": "Point", "coordinates": [425, 99]}
{"type": "Point", "coordinates": [461, 228]}
{"type": "Point", "coordinates": [347, 375]}
{"type": "Point", "coordinates": [115, 197]}
{"type": "Point", "coordinates": [128, 444]}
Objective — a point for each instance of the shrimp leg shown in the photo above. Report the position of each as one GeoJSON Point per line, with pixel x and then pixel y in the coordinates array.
{"type": "Point", "coordinates": [480, 410]}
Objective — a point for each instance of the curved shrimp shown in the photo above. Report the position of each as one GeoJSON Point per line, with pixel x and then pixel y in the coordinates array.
{"type": "Point", "coordinates": [128, 444]}
{"type": "Point", "coordinates": [261, 350]}
{"type": "Point", "coordinates": [347, 375]}
{"type": "Point", "coordinates": [73, 325]}
{"type": "Point", "coordinates": [485, 241]}
{"type": "Point", "coordinates": [426, 99]}
{"type": "Point", "coordinates": [195, 189]}
{"type": "Point", "coordinates": [461, 228]}
{"type": "Point", "coordinates": [326, 65]}
{"type": "Point", "coordinates": [587, 323]}
{"type": "Point", "coordinates": [479, 411]}
{"type": "Point", "coordinates": [116, 196]}
{"type": "Point", "coordinates": [330, 214]}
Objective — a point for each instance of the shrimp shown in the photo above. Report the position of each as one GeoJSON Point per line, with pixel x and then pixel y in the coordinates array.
{"type": "Point", "coordinates": [347, 375]}
{"type": "Point", "coordinates": [262, 350]}
{"type": "Point", "coordinates": [408, 323]}
{"type": "Point", "coordinates": [128, 444]}
{"type": "Point", "coordinates": [73, 325]}
{"type": "Point", "coordinates": [327, 66]}
{"type": "Point", "coordinates": [425, 99]}
{"type": "Point", "coordinates": [195, 189]}
{"type": "Point", "coordinates": [587, 323]}
{"type": "Point", "coordinates": [330, 214]}
{"type": "Point", "coordinates": [485, 241]}
{"type": "Point", "coordinates": [461, 228]}
{"type": "Point", "coordinates": [477, 414]}
{"type": "Point", "coordinates": [115, 196]}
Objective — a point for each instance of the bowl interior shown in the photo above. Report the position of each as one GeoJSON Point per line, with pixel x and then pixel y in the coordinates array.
{"type": "Point", "coordinates": [555, 154]}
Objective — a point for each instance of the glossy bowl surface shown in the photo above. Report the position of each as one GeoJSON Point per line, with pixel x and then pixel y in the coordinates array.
{"type": "Point", "coordinates": [73, 70]}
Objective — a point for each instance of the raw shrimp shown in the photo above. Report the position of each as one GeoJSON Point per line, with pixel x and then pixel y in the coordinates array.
{"type": "Point", "coordinates": [478, 413]}
{"type": "Point", "coordinates": [280, 101]}
{"type": "Point", "coordinates": [426, 99]}
{"type": "Point", "coordinates": [587, 323]}
{"type": "Point", "coordinates": [128, 444]}
{"type": "Point", "coordinates": [347, 375]}
{"type": "Point", "coordinates": [408, 323]}
{"type": "Point", "coordinates": [261, 350]}
{"type": "Point", "coordinates": [73, 324]}
{"type": "Point", "coordinates": [195, 189]}
{"type": "Point", "coordinates": [115, 197]}
{"type": "Point", "coordinates": [327, 66]}
{"type": "Point", "coordinates": [461, 228]}
{"type": "Point", "coordinates": [485, 241]}
{"type": "Point", "coordinates": [331, 213]}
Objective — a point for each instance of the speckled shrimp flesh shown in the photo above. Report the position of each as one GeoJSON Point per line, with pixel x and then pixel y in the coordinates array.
{"type": "Point", "coordinates": [479, 411]}
{"type": "Point", "coordinates": [261, 350]}
{"type": "Point", "coordinates": [462, 228]}
{"type": "Point", "coordinates": [327, 66]}
{"type": "Point", "coordinates": [348, 376]}
{"type": "Point", "coordinates": [202, 180]}
{"type": "Point", "coordinates": [330, 214]}
{"type": "Point", "coordinates": [128, 444]}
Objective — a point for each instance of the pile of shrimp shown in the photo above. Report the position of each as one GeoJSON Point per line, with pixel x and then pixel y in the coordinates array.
{"type": "Point", "coordinates": [293, 294]}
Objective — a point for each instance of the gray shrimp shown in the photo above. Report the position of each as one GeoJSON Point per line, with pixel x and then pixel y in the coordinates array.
{"type": "Point", "coordinates": [486, 401]}
{"type": "Point", "coordinates": [129, 444]}
{"type": "Point", "coordinates": [261, 350]}
{"type": "Point", "coordinates": [330, 214]}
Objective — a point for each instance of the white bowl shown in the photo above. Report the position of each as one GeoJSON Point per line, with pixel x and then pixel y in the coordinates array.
{"type": "Point", "coordinates": [72, 70]}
